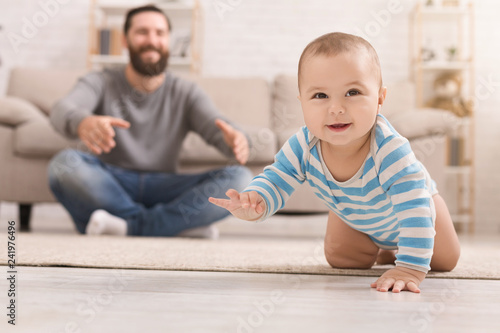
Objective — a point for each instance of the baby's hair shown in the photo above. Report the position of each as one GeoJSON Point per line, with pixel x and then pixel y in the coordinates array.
{"type": "Point", "coordinates": [334, 43]}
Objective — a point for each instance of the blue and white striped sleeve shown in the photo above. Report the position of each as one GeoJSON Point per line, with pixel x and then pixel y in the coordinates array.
{"type": "Point", "coordinates": [403, 177]}
{"type": "Point", "coordinates": [279, 180]}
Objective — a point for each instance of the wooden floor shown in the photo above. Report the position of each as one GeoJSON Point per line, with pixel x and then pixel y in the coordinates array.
{"type": "Point", "coordinates": [100, 300]}
{"type": "Point", "coordinates": [58, 299]}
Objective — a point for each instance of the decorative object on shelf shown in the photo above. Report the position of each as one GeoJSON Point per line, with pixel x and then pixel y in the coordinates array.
{"type": "Point", "coordinates": [428, 54]}
{"type": "Point", "coordinates": [429, 3]}
{"type": "Point", "coordinates": [180, 46]}
{"type": "Point", "coordinates": [452, 53]}
{"type": "Point", "coordinates": [450, 3]}
{"type": "Point", "coordinates": [448, 90]}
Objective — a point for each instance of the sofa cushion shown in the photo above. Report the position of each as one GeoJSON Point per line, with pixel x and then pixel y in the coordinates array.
{"type": "Point", "coordinates": [244, 101]}
{"type": "Point", "coordinates": [15, 111]}
{"type": "Point", "coordinates": [39, 139]}
{"type": "Point", "coordinates": [423, 122]}
{"type": "Point", "coordinates": [287, 111]}
{"type": "Point", "coordinates": [42, 87]}
{"type": "Point", "coordinates": [264, 144]}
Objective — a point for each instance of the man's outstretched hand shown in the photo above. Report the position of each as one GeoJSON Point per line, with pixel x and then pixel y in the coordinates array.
{"type": "Point", "coordinates": [246, 205]}
{"type": "Point", "coordinates": [236, 140]}
{"type": "Point", "coordinates": [97, 132]}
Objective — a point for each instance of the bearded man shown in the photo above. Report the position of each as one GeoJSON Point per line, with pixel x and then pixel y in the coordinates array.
{"type": "Point", "coordinates": [133, 120]}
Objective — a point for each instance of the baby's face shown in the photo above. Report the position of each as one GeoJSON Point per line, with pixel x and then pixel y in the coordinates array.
{"type": "Point", "coordinates": [340, 97]}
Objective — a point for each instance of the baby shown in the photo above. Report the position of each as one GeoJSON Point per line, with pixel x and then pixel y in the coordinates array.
{"type": "Point", "coordinates": [384, 206]}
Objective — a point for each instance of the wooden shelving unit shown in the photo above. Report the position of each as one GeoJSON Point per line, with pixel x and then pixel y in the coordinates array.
{"type": "Point", "coordinates": [185, 40]}
{"type": "Point", "coordinates": [434, 31]}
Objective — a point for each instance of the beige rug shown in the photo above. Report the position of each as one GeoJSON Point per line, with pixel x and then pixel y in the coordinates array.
{"type": "Point", "coordinates": [259, 255]}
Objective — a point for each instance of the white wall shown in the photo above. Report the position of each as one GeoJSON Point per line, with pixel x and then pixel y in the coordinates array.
{"type": "Point", "coordinates": [270, 35]}
{"type": "Point", "coordinates": [488, 114]}
{"type": "Point", "coordinates": [263, 38]}
{"type": "Point", "coordinates": [44, 33]}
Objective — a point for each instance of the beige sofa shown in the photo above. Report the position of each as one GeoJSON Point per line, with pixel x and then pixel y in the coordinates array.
{"type": "Point", "coordinates": [269, 112]}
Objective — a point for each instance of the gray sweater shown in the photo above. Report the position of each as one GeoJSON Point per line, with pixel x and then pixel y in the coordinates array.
{"type": "Point", "coordinates": [159, 120]}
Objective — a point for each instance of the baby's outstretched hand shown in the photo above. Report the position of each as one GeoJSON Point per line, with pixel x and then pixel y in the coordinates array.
{"type": "Point", "coordinates": [399, 279]}
{"type": "Point", "coordinates": [246, 205]}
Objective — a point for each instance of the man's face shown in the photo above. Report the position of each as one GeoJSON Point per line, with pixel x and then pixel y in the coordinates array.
{"type": "Point", "coordinates": [147, 41]}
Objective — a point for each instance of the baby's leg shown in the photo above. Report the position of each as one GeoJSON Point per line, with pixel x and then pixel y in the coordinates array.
{"type": "Point", "coordinates": [446, 245]}
{"type": "Point", "coordinates": [346, 247]}
{"type": "Point", "coordinates": [386, 257]}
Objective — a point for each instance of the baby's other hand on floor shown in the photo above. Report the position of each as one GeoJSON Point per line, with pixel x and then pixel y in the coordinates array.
{"type": "Point", "coordinates": [246, 205]}
{"type": "Point", "coordinates": [399, 279]}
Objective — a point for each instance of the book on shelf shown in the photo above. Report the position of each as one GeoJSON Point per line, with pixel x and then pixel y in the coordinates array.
{"type": "Point", "coordinates": [456, 151]}
{"type": "Point", "coordinates": [109, 41]}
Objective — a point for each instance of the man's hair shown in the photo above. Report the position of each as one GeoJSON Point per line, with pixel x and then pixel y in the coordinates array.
{"type": "Point", "coordinates": [147, 8]}
{"type": "Point", "coordinates": [335, 43]}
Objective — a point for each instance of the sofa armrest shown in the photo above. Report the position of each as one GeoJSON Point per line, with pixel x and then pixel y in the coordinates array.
{"type": "Point", "coordinates": [15, 111]}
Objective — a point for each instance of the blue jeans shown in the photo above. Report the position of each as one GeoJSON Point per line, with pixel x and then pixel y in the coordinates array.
{"type": "Point", "coordinates": [153, 204]}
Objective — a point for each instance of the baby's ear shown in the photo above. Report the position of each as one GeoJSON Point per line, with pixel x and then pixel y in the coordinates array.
{"type": "Point", "coordinates": [382, 94]}
{"type": "Point", "coordinates": [381, 98]}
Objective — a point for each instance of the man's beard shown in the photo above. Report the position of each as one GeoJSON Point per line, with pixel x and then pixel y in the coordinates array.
{"type": "Point", "coordinates": [148, 69]}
